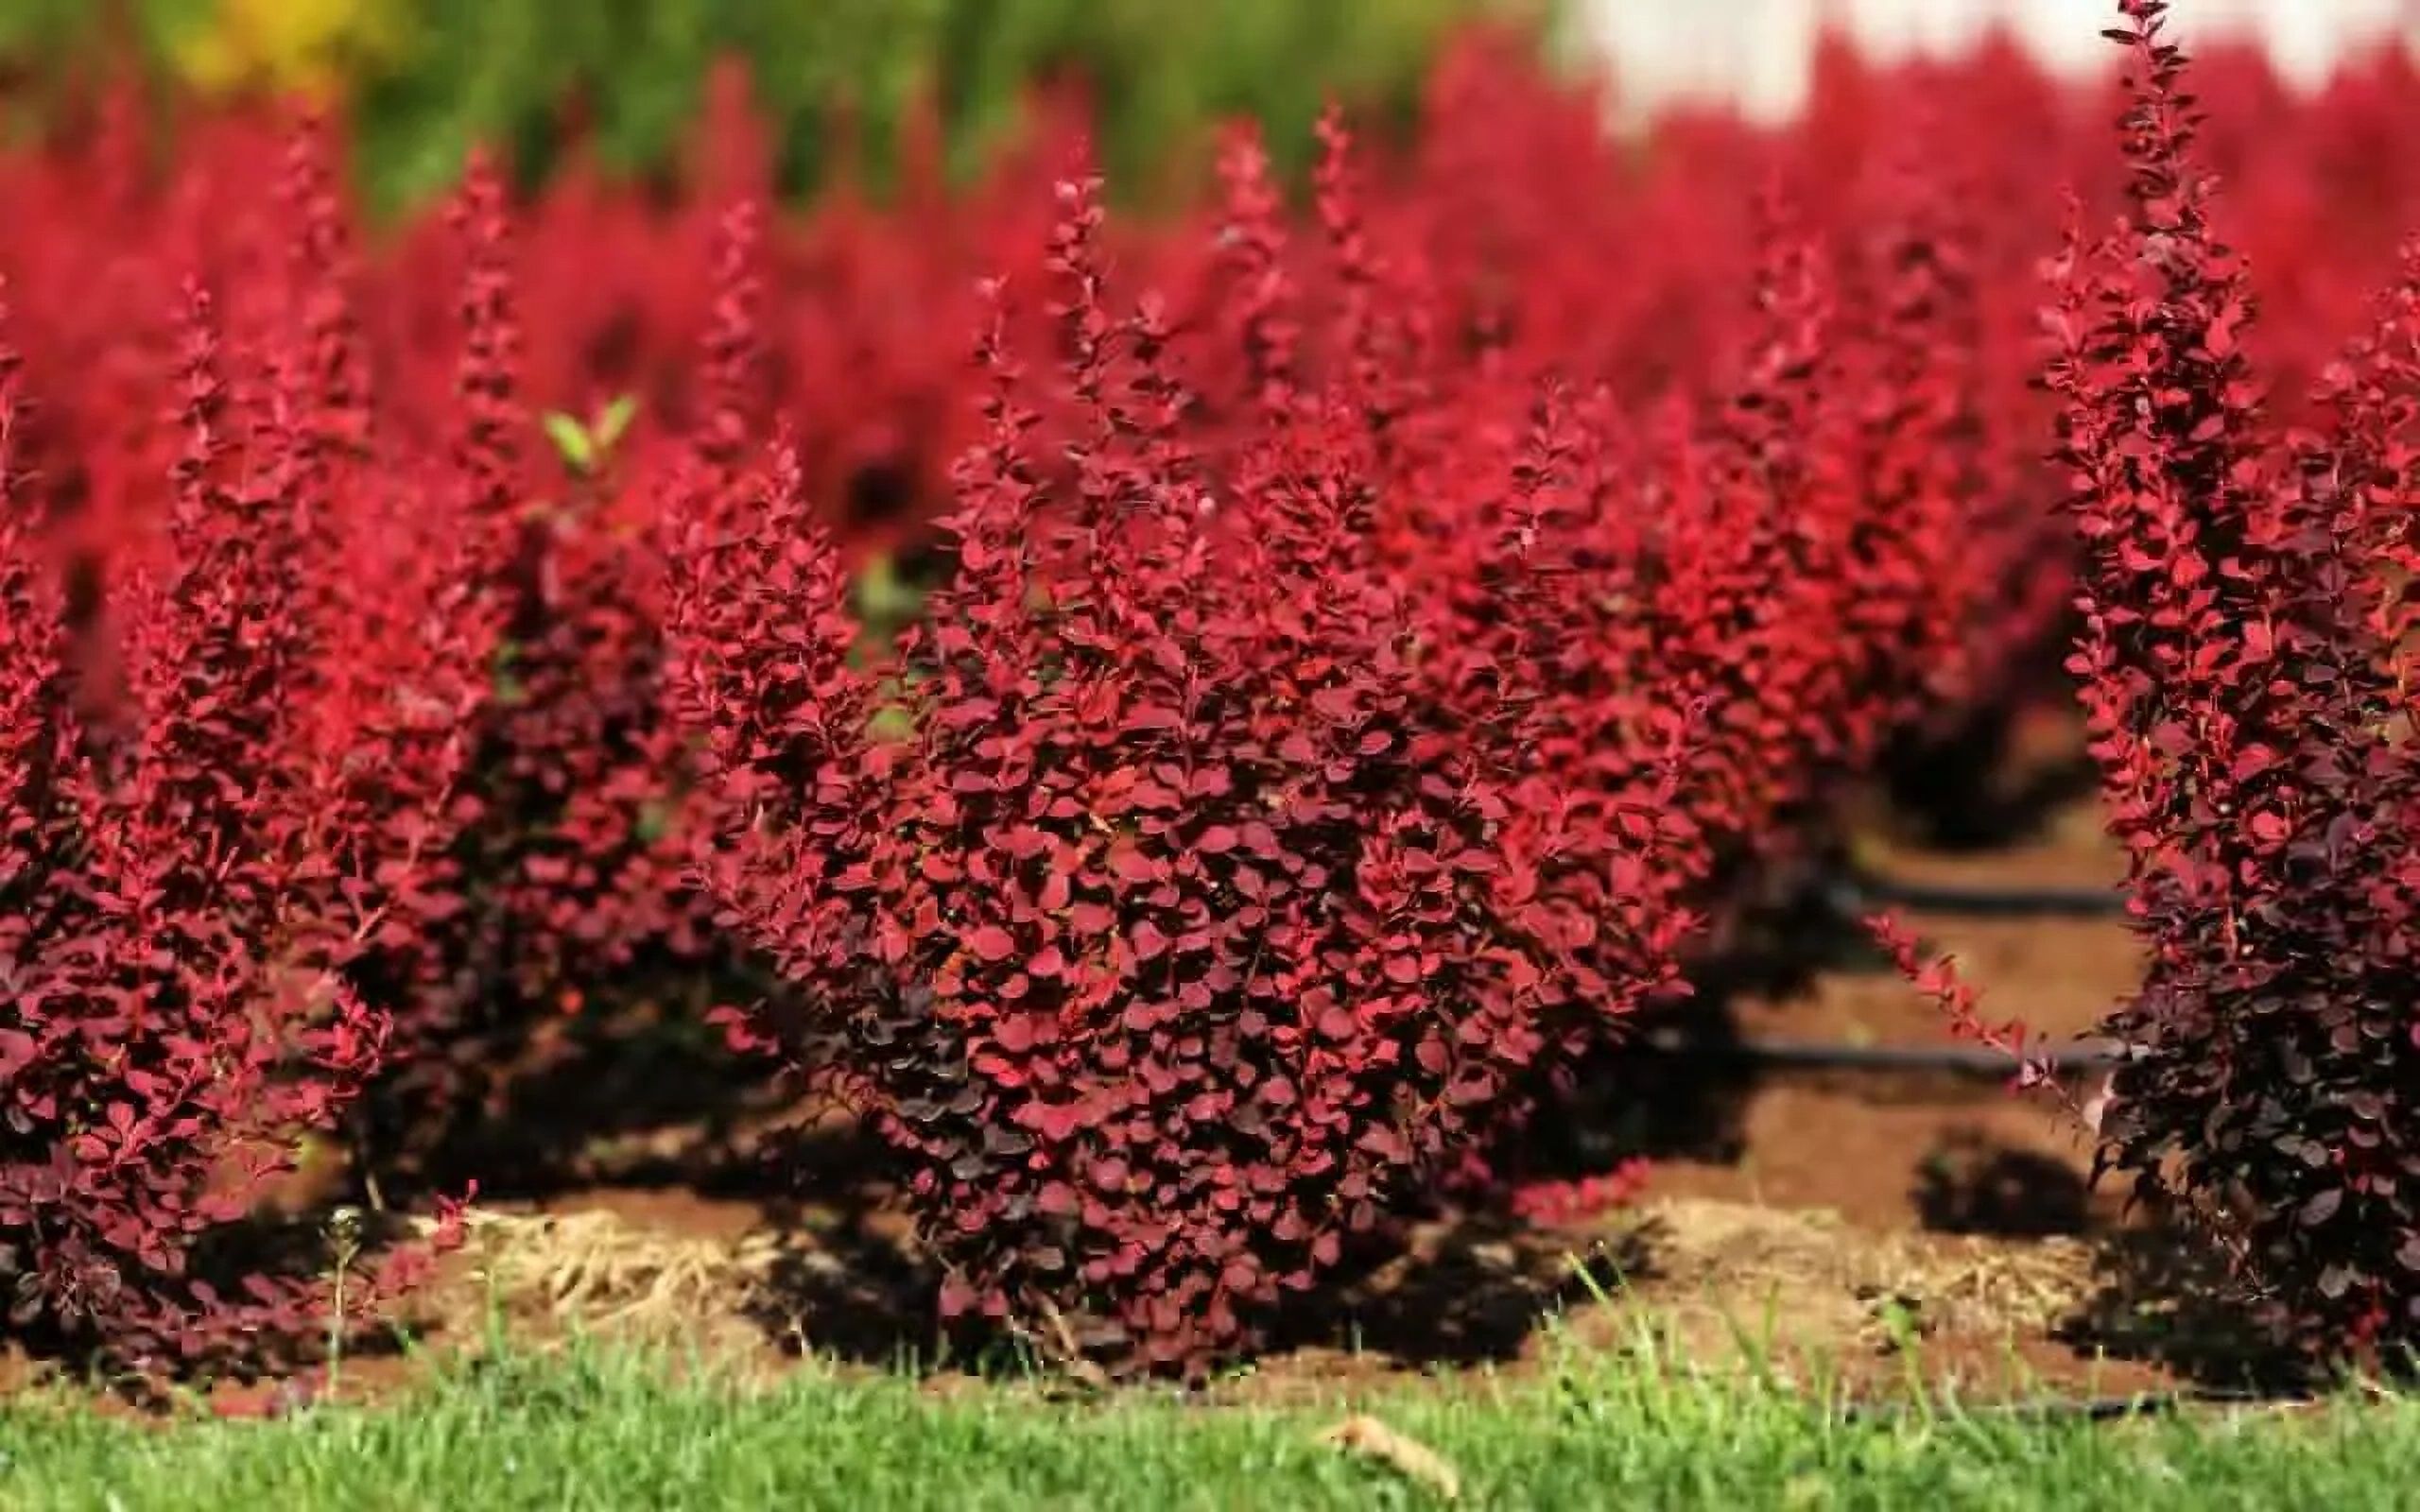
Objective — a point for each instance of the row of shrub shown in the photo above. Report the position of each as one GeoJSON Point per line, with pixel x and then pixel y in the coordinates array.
{"type": "Point", "coordinates": [1381, 648]}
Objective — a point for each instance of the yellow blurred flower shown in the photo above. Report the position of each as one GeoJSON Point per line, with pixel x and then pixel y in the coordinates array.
{"type": "Point", "coordinates": [304, 47]}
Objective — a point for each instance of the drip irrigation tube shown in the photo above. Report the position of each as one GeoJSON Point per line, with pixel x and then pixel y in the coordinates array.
{"type": "Point", "coordinates": [1966, 1060]}
{"type": "Point", "coordinates": [1863, 892]}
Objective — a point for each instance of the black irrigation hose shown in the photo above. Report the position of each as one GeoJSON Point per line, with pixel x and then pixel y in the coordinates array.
{"type": "Point", "coordinates": [1964, 1060]}
{"type": "Point", "coordinates": [1863, 892]}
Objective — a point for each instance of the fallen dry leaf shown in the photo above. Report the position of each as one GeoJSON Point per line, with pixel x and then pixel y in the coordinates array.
{"type": "Point", "coordinates": [1363, 1434]}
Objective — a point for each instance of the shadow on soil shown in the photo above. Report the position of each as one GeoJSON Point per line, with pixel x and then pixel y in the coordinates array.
{"type": "Point", "coordinates": [1677, 1086]}
{"type": "Point", "coordinates": [1461, 1292]}
{"type": "Point", "coordinates": [2164, 1301]}
{"type": "Point", "coordinates": [1971, 1185]}
{"type": "Point", "coordinates": [1963, 790]}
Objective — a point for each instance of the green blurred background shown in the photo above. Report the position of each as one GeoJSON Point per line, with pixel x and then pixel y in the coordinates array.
{"type": "Point", "coordinates": [422, 80]}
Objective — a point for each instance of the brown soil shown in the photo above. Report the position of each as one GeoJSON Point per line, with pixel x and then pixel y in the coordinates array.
{"type": "Point", "coordinates": [1903, 1151]}
{"type": "Point", "coordinates": [1872, 1228]}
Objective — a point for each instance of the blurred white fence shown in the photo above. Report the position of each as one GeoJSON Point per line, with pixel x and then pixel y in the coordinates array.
{"type": "Point", "coordinates": [1757, 52]}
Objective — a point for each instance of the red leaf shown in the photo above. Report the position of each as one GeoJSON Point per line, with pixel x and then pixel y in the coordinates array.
{"type": "Point", "coordinates": [991, 943]}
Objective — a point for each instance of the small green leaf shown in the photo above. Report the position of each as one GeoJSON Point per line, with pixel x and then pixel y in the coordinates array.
{"type": "Point", "coordinates": [574, 442]}
{"type": "Point", "coordinates": [883, 596]}
{"type": "Point", "coordinates": [614, 421]}
{"type": "Point", "coordinates": [890, 725]}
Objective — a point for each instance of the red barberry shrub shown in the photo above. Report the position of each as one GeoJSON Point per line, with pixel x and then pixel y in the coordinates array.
{"type": "Point", "coordinates": [1503, 526]}
{"type": "Point", "coordinates": [1767, 646]}
{"type": "Point", "coordinates": [2249, 723]}
{"type": "Point", "coordinates": [183, 900]}
{"type": "Point", "coordinates": [1775, 586]}
{"type": "Point", "coordinates": [1204, 924]}
{"type": "Point", "coordinates": [1574, 1203]}
{"type": "Point", "coordinates": [564, 895]}
{"type": "Point", "coordinates": [1922, 559]}
{"type": "Point", "coordinates": [1367, 664]}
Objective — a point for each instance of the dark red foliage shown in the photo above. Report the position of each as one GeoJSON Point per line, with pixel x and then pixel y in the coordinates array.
{"type": "Point", "coordinates": [184, 896]}
{"type": "Point", "coordinates": [1380, 636]}
{"type": "Point", "coordinates": [1345, 708]}
{"type": "Point", "coordinates": [569, 835]}
{"type": "Point", "coordinates": [1206, 924]}
{"type": "Point", "coordinates": [2252, 725]}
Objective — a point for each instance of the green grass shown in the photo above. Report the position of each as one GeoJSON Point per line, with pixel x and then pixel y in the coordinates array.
{"type": "Point", "coordinates": [1631, 1430]}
